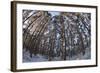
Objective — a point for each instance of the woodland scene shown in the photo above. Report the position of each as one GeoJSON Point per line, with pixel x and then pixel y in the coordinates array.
{"type": "Point", "coordinates": [56, 35]}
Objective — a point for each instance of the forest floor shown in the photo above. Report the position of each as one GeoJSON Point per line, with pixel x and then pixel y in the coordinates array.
{"type": "Point", "coordinates": [41, 58]}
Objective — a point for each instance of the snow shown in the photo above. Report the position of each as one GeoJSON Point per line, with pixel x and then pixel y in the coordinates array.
{"type": "Point", "coordinates": [42, 58]}
{"type": "Point", "coordinates": [81, 57]}
{"type": "Point", "coordinates": [35, 58]}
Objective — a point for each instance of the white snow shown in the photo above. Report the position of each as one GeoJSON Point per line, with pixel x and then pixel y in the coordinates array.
{"type": "Point", "coordinates": [42, 58]}
{"type": "Point", "coordinates": [35, 58]}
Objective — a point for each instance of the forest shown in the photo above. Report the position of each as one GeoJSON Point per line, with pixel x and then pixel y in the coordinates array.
{"type": "Point", "coordinates": [56, 35]}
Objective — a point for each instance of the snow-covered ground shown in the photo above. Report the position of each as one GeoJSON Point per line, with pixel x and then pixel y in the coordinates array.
{"type": "Point", "coordinates": [35, 58]}
{"type": "Point", "coordinates": [41, 58]}
{"type": "Point", "coordinates": [82, 57]}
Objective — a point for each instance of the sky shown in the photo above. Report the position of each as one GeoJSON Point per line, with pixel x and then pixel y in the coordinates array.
{"type": "Point", "coordinates": [53, 13]}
